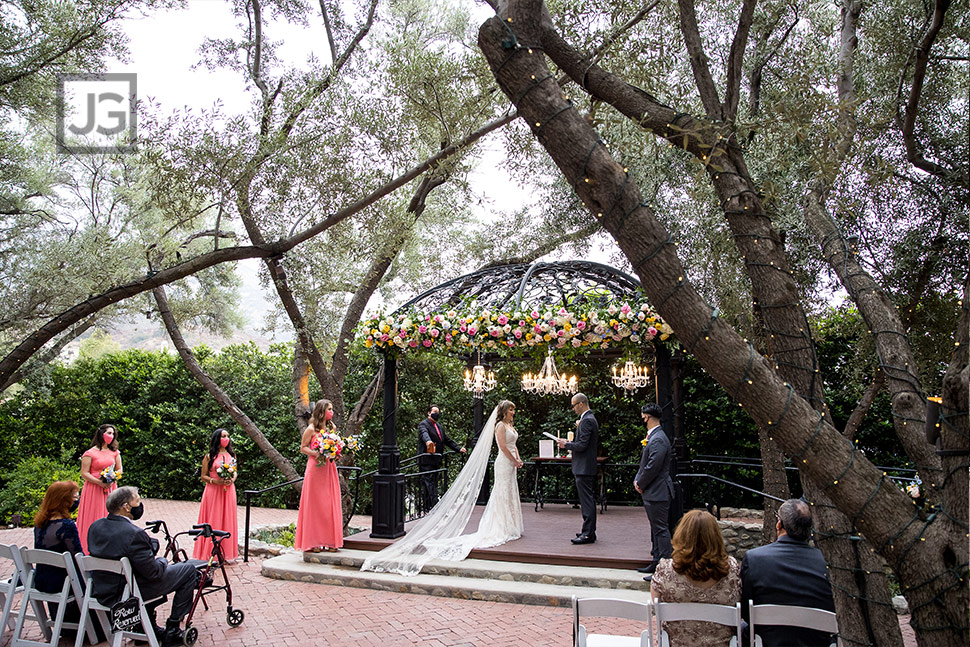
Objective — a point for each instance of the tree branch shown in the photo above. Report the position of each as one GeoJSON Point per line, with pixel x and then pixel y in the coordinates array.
{"type": "Point", "coordinates": [862, 408]}
{"type": "Point", "coordinates": [736, 61]}
{"type": "Point", "coordinates": [698, 60]}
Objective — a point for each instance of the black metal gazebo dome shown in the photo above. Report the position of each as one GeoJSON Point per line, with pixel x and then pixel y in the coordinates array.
{"type": "Point", "coordinates": [507, 287]}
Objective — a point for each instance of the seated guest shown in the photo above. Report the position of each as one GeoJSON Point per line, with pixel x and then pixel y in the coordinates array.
{"type": "Point", "coordinates": [117, 536]}
{"type": "Point", "coordinates": [699, 571]}
{"type": "Point", "coordinates": [788, 571]}
{"type": "Point", "coordinates": [54, 530]}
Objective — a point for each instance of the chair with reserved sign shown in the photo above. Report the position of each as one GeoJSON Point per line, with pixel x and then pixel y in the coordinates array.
{"type": "Point", "coordinates": [121, 625]}
{"type": "Point", "coordinates": [70, 593]}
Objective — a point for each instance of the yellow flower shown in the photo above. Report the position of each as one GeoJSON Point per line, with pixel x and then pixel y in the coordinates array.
{"type": "Point", "coordinates": [644, 442]}
{"type": "Point", "coordinates": [547, 337]}
{"type": "Point", "coordinates": [368, 343]}
{"type": "Point", "coordinates": [385, 328]}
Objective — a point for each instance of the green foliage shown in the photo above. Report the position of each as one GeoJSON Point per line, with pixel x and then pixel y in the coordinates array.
{"type": "Point", "coordinates": [27, 483]}
{"type": "Point", "coordinates": [283, 536]}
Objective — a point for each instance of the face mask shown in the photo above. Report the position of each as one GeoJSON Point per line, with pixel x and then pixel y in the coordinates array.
{"type": "Point", "coordinates": [137, 511]}
{"type": "Point", "coordinates": [74, 506]}
{"type": "Point", "coordinates": [108, 437]}
{"type": "Point", "coordinates": [328, 415]}
{"type": "Point", "coordinates": [224, 442]}
{"type": "Point", "coordinates": [435, 415]}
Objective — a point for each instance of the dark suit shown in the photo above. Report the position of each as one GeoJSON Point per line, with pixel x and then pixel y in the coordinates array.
{"type": "Point", "coordinates": [431, 431]}
{"type": "Point", "coordinates": [115, 537]}
{"type": "Point", "coordinates": [787, 572]}
{"type": "Point", "coordinates": [657, 490]}
{"type": "Point", "coordinates": [584, 448]}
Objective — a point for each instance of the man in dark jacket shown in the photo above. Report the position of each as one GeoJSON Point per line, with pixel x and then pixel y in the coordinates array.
{"type": "Point", "coordinates": [655, 486]}
{"type": "Point", "coordinates": [117, 536]}
{"type": "Point", "coordinates": [584, 448]}
{"type": "Point", "coordinates": [790, 571]}
{"type": "Point", "coordinates": [432, 439]}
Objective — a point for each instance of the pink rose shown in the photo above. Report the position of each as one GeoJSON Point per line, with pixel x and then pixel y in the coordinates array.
{"type": "Point", "coordinates": [562, 312]}
{"type": "Point", "coordinates": [427, 343]}
{"type": "Point", "coordinates": [437, 318]}
{"type": "Point", "coordinates": [422, 329]}
{"type": "Point", "coordinates": [502, 320]}
{"type": "Point", "coordinates": [463, 328]}
{"type": "Point", "coordinates": [522, 323]}
{"type": "Point", "coordinates": [495, 332]}
{"type": "Point", "coordinates": [538, 329]}
{"type": "Point", "coordinates": [402, 334]}
{"type": "Point", "coordinates": [384, 337]}
{"type": "Point", "coordinates": [561, 333]}
{"type": "Point", "coordinates": [427, 317]}
{"type": "Point", "coordinates": [517, 333]}
{"type": "Point", "coordinates": [652, 331]}
{"type": "Point", "coordinates": [581, 325]}
{"type": "Point", "coordinates": [472, 331]}
{"type": "Point", "coordinates": [413, 344]}
{"type": "Point", "coordinates": [625, 308]}
{"type": "Point", "coordinates": [435, 332]}
{"type": "Point", "coordinates": [448, 338]}
{"type": "Point", "coordinates": [534, 314]}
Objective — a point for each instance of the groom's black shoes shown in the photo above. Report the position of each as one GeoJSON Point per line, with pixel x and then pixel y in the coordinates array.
{"type": "Point", "coordinates": [649, 568]}
{"type": "Point", "coordinates": [584, 539]}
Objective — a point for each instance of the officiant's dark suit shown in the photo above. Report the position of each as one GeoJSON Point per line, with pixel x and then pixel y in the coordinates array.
{"type": "Point", "coordinates": [584, 448]}
{"type": "Point", "coordinates": [654, 484]}
{"type": "Point", "coordinates": [431, 431]}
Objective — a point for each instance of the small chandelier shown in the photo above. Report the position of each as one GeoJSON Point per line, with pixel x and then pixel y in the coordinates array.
{"type": "Point", "coordinates": [478, 381]}
{"type": "Point", "coordinates": [548, 381]}
{"type": "Point", "coordinates": [631, 377]}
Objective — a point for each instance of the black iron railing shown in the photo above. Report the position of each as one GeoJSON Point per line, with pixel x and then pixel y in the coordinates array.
{"type": "Point", "coordinates": [250, 494]}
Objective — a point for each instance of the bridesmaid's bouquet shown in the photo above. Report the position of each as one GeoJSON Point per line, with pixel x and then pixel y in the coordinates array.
{"type": "Point", "coordinates": [329, 445]}
{"type": "Point", "coordinates": [109, 475]}
{"type": "Point", "coordinates": [227, 471]}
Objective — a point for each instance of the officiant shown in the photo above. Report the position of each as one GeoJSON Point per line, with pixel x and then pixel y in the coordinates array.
{"type": "Point", "coordinates": [432, 438]}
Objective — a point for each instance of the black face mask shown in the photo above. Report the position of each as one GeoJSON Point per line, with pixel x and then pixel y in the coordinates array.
{"type": "Point", "coordinates": [74, 506]}
{"type": "Point", "coordinates": [435, 416]}
{"type": "Point", "coordinates": [137, 511]}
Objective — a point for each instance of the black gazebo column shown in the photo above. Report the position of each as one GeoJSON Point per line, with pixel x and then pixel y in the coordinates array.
{"type": "Point", "coordinates": [388, 513]}
{"type": "Point", "coordinates": [669, 398]}
{"type": "Point", "coordinates": [478, 417]}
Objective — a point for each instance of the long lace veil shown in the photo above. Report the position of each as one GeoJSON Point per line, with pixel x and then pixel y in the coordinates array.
{"type": "Point", "coordinates": [438, 533]}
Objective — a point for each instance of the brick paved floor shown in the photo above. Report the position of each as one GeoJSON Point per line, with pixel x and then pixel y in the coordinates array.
{"type": "Point", "coordinates": [282, 613]}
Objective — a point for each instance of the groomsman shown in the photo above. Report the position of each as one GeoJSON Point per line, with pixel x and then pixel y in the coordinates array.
{"type": "Point", "coordinates": [584, 449]}
{"type": "Point", "coordinates": [655, 486]}
{"type": "Point", "coordinates": [432, 438]}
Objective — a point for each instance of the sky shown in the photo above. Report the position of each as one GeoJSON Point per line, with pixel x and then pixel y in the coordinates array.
{"type": "Point", "coordinates": [164, 54]}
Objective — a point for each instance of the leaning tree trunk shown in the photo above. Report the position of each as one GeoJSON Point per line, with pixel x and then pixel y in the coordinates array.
{"type": "Point", "coordinates": [859, 490]}
{"type": "Point", "coordinates": [220, 396]}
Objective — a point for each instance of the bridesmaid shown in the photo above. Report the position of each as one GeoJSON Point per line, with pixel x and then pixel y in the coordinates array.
{"type": "Point", "coordinates": [319, 525]}
{"type": "Point", "coordinates": [219, 498]}
{"type": "Point", "coordinates": [102, 453]}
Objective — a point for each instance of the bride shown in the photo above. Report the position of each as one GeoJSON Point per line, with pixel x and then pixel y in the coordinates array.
{"type": "Point", "coordinates": [438, 534]}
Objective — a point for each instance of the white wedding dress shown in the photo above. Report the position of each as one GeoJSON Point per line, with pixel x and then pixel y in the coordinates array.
{"type": "Point", "coordinates": [438, 534]}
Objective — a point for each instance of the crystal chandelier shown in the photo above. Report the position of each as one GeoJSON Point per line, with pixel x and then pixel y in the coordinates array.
{"type": "Point", "coordinates": [548, 381]}
{"type": "Point", "coordinates": [478, 381]}
{"type": "Point", "coordinates": [631, 377]}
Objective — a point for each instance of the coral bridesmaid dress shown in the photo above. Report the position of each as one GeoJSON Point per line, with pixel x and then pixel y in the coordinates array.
{"type": "Point", "coordinates": [91, 506]}
{"type": "Point", "coordinates": [320, 521]}
{"type": "Point", "coordinates": [219, 511]}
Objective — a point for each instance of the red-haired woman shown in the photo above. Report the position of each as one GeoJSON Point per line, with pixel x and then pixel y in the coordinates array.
{"type": "Point", "coordinates": [699, 571]}
{"type": "Point", "coordinates": [102, 454]}
{"type": "Point", "coordinates": [319, 525]}
{"type": "Point", "coordinates": [55, 530]}
{"type": "Point", "coordinates": [218, 507]}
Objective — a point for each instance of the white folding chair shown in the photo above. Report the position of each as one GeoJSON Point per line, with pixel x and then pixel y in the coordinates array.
{"type": "Point", "coordinates": [9, 588]}
{"type": "Point", "coordinates": [89, 565]}
{"type": "Point", "coordinates": [70, 593]}
{"type": "Point", "coordinates": [791, 616]}
{"type": "Point", "coordinates": [610, 608]}
{"type": "Point", "coordinates": [722, 614]}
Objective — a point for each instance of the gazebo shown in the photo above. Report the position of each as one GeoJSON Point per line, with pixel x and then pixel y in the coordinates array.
{"type": "Point", "coordinates": [585, 306]}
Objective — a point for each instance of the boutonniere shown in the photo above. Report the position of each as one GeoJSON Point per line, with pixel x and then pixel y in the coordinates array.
{"type": "Point", "coordinates": [644, 441]}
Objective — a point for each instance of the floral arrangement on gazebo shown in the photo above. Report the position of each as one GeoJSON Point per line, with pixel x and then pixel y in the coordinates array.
{"type": "Point", "coordinates": [472, 328]}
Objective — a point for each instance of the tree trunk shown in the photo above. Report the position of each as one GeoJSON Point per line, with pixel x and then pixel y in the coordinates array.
{"type": "Point", "coordinates": [220, 396]}
{"type": "Point", "coordinates": [857, 488]}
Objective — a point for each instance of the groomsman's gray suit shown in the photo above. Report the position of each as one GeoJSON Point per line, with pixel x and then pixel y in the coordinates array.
{"type": "Point", "coordinates": [657, 490]}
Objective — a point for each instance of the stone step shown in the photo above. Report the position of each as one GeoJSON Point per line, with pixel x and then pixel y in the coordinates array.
{"type": "Point", "coordinates": [474, 579]}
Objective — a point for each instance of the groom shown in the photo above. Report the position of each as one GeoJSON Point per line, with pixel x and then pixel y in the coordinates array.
{"type": "Point", "coordinates": [584, 466]}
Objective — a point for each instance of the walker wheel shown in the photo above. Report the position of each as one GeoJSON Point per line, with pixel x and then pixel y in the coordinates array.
{"type": "Point", "coordinates": [235, 617]}
{"type": "Point", "coordinates": [190, 636]}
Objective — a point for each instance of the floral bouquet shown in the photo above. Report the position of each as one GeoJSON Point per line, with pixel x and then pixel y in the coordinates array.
{"type": "Point", "coordinates": [227, 471]}
{"type": "Point", "coordinates": [109, 475]}
{"type": "Point", "coordinates": [329, 445]}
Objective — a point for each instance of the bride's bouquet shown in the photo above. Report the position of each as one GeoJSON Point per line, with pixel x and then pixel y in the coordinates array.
{"type": "Point", "coordinates": [109, 475]}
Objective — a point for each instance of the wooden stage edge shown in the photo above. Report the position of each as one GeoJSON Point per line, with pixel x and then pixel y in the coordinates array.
{"type": "Point", "coordinates": [622, 538]}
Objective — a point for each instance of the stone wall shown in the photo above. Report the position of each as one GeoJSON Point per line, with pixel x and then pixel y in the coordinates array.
{"type": "Point", "coordinates": [740, 537]}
